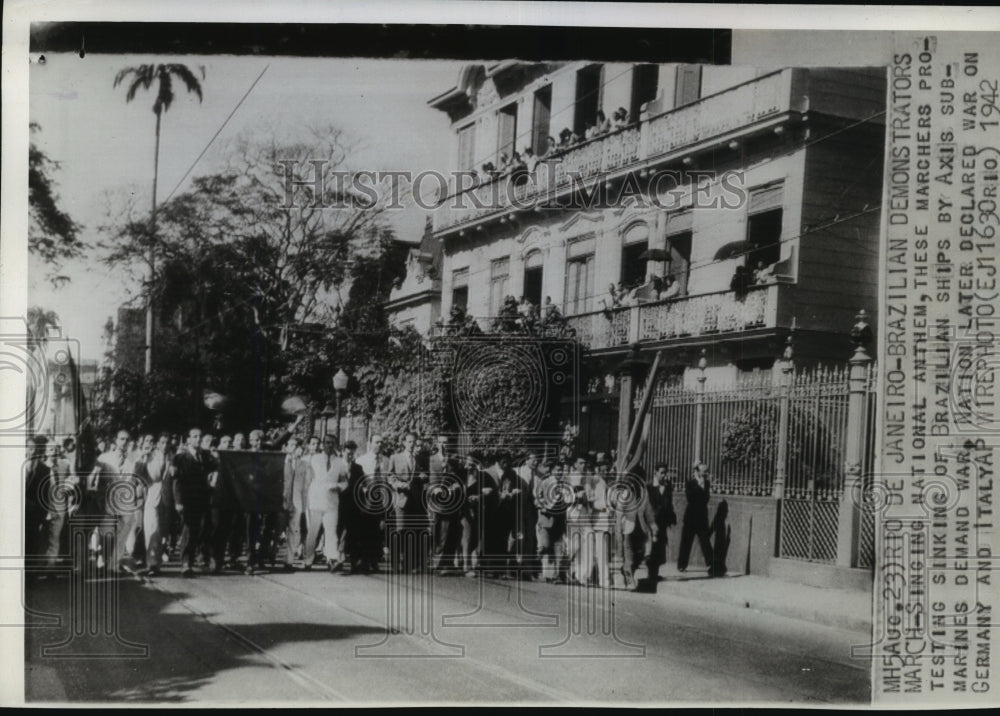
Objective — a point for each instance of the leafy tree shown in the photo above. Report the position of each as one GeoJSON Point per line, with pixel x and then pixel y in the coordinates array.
{"type": "Point", "coordinates": [53, 236]}
{"type": "Point", "coordinates": [247, 275]}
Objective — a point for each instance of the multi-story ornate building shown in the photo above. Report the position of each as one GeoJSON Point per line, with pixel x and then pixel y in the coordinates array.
{"type": "Point", "coordinates": [714, 169]}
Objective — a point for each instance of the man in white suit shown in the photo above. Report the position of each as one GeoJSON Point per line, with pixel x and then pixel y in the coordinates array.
{"type": "Point", "coordinates": [329, 477]}
{"type": "Point", "coordinates": [115, 500]}
{"type": "Point", "coordinates": [154, 472]}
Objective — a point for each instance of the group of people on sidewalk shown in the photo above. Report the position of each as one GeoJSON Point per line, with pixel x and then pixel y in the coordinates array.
{"type": "Point", "coordinates": [560, 520]}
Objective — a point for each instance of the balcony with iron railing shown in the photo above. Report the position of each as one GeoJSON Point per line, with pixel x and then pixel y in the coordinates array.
{"type": "Point", "coordinates": [706, 314]}
{"type": "Point", "coordinates": [659, 138]}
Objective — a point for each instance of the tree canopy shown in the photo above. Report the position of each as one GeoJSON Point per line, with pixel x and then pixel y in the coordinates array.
{"type": "Point", "coordinates": [53, 236]}
{"type": "Point", "coordinates": [257, 297]}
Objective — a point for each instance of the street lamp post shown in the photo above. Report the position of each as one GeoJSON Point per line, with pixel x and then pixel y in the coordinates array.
{"type": "Point", "coordinates": [339, 386]}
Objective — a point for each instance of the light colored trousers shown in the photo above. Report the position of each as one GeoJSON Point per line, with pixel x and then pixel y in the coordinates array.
{"type": "Point", "coordinates": [328, 519]}
{"type": "Point", "coordinates": [293, 533]}
{"type": "Point", "coordinates": [54, 532]}
{"type": "Point", "coordinates": [596, 548]}
{"type": "Point", "coordinates": [128, 528]}
{"type": "Point", "coordinates": [155, 523]}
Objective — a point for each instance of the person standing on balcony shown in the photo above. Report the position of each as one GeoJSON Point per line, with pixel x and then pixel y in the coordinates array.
{"type": "Point", "coordinates": [740, 282]}
{"type": "Point", "coordinates": [551, 147]}
{"type": "Point", "coordinates": [518, 170]}
{"type": "Point", "coordinates": [603, 126]}
{"type": "Point", "coordinates": [671, 289]}
{"type": "Point", "coordinates": [696, 525]}
{"type": "Point", "coordinates": [566, 138]}
{"type": "Point", "coordinates": [530, 160]}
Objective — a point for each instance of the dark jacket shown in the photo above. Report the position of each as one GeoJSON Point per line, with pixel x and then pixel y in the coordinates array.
{"type": "Point", "coordinates": [663, 506]}
{"type": "Point", "coordinates": [697, 502]}
{"type": "Point", "coordinates": [190, 479]}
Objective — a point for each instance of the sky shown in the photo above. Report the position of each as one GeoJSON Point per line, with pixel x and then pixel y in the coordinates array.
{"type": "Point", "coordinates": [105, 146]}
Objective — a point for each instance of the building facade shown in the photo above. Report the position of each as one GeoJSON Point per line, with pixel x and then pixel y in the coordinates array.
{"type": "Point", "coordinates": [715, 168]}
{"type": "Point", "coordinates": [724, 218]}
{"type": "Point", "coordinates": [416, 301]}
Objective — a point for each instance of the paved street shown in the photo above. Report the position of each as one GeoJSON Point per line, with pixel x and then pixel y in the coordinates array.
{"type": "Point", "coordinates": [296, 637]}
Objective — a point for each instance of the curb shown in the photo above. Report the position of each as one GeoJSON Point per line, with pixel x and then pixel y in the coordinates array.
{"type": "Point", "coordinates": [805, 609]}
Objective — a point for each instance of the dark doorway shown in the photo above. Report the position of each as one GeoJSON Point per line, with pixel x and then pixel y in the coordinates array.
{"type": "Point", "coordinates": [764, 238]}
{"type": "Point", "coordinates": [680, 258]}
{"type": "Point", "coordinates": [460, 297]}
{"type": "Point", "coordinates": [540, 120]}
{"type": "Point", "coordinates": [533, 285]}
{"type": "Point", "coordinates": [633, 267]}
{"type": "Point", "coordinates": [588, 98]}
{"type": "Point", "coordinates": [645, 83]}
{"type": "Point", "coordinates": [508, 131]}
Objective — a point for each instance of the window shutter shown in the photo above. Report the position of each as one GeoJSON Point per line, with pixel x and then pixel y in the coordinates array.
{"type": "Point", "coordinates": [765, 199]}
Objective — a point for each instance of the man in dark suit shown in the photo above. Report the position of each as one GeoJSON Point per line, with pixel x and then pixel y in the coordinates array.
{"type": "Point", "coordinates": [407, 484]}
{"type": "Point", "coordinates": [359, 528]}
{"type": "Point", "coordinates": [661, 495]}
{"type": "Point", "coordinates": [478, 516]}
{"type": "Point", "coordinates": [192, 497]}
{"type": "Point", "coordinates": [530, 474]}
{"type": "Point", "coordinates": [446, 480]}
{"type": "Point", "coordinates": [696, 518]}
{"type": "Point", "coordinates": [504, 540]}
{"type": "Point", "coordinates": [635, 522]}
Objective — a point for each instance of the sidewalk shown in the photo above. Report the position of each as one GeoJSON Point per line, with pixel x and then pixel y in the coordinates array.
{"type": "Point", "coordinates": [840, 608]}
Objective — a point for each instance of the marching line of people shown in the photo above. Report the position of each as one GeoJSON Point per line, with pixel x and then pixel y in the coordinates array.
{"type": "Point", "coordinates": [558, 520]}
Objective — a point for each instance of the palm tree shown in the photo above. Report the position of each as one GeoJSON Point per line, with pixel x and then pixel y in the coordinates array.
{"type": "Point", "coordinates": [143, 77]}
{"type": "Point", "coordinates": [39, 322]}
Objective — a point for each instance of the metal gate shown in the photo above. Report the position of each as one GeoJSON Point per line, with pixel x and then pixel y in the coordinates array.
{"type": "Point", "coordinates": [817, 411]}
{"type": "Point", "coordinates": [809, 529]}
{"type": "Point", "coordinates": [769, 434]}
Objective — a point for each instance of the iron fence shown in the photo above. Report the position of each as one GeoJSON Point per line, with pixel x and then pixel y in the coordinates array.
{"type": "Point", "coordinates": [781, 433]}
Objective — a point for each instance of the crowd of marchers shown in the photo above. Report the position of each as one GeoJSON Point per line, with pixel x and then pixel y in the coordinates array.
{"type": "Point", "coordinates": [158, 503]}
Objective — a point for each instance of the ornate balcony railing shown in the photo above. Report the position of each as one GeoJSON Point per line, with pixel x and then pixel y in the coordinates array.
{"type": "Point", "coordinates": [700, 315]}
{"type": "Point", "coordinates": [710, 118]}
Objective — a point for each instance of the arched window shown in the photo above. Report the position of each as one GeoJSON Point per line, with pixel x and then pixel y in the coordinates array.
{"type": "Point", "coordinates": [635, 242]}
